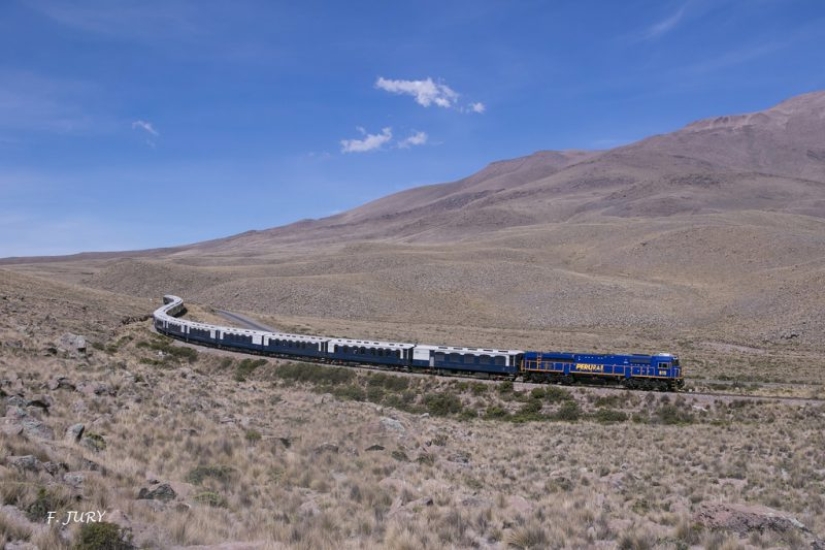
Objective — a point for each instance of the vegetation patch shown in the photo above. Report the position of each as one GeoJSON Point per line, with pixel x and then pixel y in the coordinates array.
{"type": "Point", "coordinates": [247, 367]}
{"type": "Point", "coordinates": [103, 535]}
{"type": "Point", "coordinates": [199, 474]}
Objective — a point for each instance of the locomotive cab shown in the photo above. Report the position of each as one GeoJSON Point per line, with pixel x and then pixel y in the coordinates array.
{"type": "Point", "coordinates": [668, 365]}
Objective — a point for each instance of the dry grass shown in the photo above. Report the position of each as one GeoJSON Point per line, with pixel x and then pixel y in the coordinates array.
{"type": "Point", "coordinates": [300, 456]}
{"type": "Point", "coordinates": [326, 460]}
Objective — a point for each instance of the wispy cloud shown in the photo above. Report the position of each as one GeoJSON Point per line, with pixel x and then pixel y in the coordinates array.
{"type": "Point", "coordinates": [428, 92]}
{"type": "Point", "coordinates": [661, 28]}
{"type": "Point", "coordinates": [146, 126]}
{"type": "Point", "coordinates": [418, 138]}
{"type": "Point", "coordinates": [477, 107]}
{"type": "Point", "coordinates": [370, 142]}
{"type": "Point", "coordinates": [425, 92]}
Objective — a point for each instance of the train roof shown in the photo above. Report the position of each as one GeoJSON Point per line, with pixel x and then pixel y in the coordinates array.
{"type": "Point", "coordinates": [370, 343]}
{"type": "Point", "coordinates": [473, 351]}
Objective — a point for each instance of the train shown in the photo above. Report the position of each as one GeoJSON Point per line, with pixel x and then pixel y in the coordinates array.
{"type": "Point", "coordinates": [660, 371]}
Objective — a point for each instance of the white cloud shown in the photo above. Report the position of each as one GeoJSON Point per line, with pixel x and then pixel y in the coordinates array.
{"type": "Point", "coordinates": [665, 26]}
{"type": "Point", "coordinates": [418, 138]}
{"type": "Point", "coordinates": [477, 107]}
{"type": "Point", "coordinates": [370, 142]}
{"type": "Point", "coordinates": [146, 126]}
{"type": "Point", "coordinates": [425, 92]}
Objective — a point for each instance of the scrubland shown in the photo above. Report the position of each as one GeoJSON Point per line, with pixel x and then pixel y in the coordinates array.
{"type": "Point", "coordinates": [186, 447]}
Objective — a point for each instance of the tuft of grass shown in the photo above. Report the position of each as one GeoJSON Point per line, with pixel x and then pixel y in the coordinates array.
{"type": "Point", "coordinates": [315, 374]}
{"type": "Point", "coordinates": [247, 367]}
{"type": "Point", "coordinates": [199, 474]}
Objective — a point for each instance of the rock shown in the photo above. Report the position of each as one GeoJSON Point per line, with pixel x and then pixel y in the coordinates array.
{"type": "Point", "coordinates": [16, 401]}
{"type": "Point", "coordinates": [73, 342]}
{"type": "Point", "coordinates": [42, 402]}
{"type": "Point", "coordinates": [61, 383]}
{"type": "Point", "coordinates": [25, 462]}
{"type": "Point", "coordinates": [162, 492]}
{"type": "Point", "coordinates": [393, 424]}
{"type": "Point", "coordinates": [462, 457]}
{"type": "Point", "coordinates": [17, 416]}
{"type": "Point", "coordinates": [743, 519]}
{"type": "Point", "coordinates": [12, 429]}
{"type": "Point", "coordinates": [375, 448]}
{"type": "Point", "coordinates": [74, 432]}
{"type": "Point", "coordinates": [75, 479]}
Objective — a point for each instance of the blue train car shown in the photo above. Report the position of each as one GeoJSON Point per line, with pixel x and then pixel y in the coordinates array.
{"type": "Point", "coordinates": [454, 359]}
{"type": "Point", "coordinates": [661, 371]}
{"type": "Point", "coordinates": [294, 344]}
{"type": "Point", "coordinates": [364, 351]}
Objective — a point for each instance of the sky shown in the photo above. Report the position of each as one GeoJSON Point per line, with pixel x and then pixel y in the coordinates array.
{"type": "Point", "coordinates": [134, 124]}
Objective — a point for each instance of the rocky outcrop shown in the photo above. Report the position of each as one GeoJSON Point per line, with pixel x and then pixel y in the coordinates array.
{"type": "Point", "coordinates": [744, 519]}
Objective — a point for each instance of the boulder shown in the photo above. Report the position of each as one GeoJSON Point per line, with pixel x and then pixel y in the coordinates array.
{"type": "Point", "coordinates": [162, 492]}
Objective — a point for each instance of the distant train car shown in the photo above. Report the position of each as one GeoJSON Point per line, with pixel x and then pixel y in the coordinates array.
{"type": "Point", "coordinates": [476, 360]}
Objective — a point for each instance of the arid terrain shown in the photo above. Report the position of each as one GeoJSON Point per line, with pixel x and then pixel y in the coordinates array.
{"type": "Point", "coordinates": [708, 242]}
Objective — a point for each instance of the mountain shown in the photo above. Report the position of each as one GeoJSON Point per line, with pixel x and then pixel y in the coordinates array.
{"type": "Point", "coordinates": [711, 235]}
{"type": "Point", "coordinates": [770, 160]}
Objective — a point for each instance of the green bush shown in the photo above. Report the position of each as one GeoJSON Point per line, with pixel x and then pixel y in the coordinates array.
{"type": "Point", "coordinates": [555, 394]}
{"type": "Point", "coordinates": [671, 414]}
{"type": "Point", "coordinates": [610, 415]}
{"type": "Point", "coordinates": [350, 393]}
{"type": "Point", "coordinates": [102, 535]}
{"type": "Point", "coordinates": [315, 374]}
{"type": "Point", "coordinates": [442, 404]}
{"type": "Point", "coordinates": [247, 367]}
{"type": "Point", "coordinates": [496, 412]}
{"type": "Point", "coordinates": [569, 411]}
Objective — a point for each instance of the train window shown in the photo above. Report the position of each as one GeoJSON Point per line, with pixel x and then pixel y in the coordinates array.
{"type": "Point", "coordinates": [469, 359]}
{"type": "Point", "coordinates": [663, 365]}
{"type": "Point", "coordinates": [455, 358]}
{"type": "Point", "coordinates": [440, 356]}
{"type": "Point", "coordinates": [363, 350]}
{"type": "Point", "coordinates": [484, 360]}
{"type": "Point", "coordinates": [501, 360]}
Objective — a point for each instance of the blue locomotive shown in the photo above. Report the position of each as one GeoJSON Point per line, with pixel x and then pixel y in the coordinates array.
{"type": "Point", "coordinates": [649, 372]}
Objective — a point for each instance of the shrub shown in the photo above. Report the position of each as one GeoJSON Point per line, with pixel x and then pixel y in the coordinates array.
{"type": "Point", "coordinates": [556, 395]}
{"type": "Point", "coordinates": [671, 414]}
{"type": "Point", "coordinates": [247, 367]}
{"type": "Point", "coordinates": [569, 411]}
{"type": "Point", "coordinates": [478, 388]}
{"type": "Point", "coordinates": [350, 393]}
{"type": "Point", "coordinates": [610, 415]}
{"type": "Point", "coordinates": [495, 412]}
{"type": "Point", "coordinates": [103, 535]}
{"type": "Point", "coordinates": [442, 404]}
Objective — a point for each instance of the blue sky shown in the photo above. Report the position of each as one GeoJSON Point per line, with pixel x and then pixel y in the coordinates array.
{"type": "Point", "coordinates": [130, 124]}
